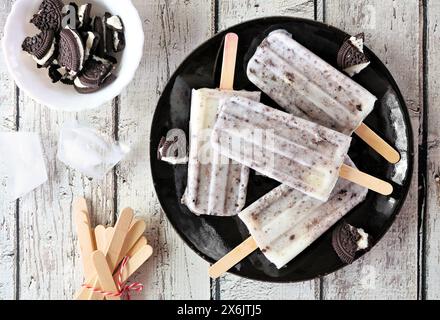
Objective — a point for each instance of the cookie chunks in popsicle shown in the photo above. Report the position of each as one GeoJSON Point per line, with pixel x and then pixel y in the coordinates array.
{"type": "Point", "coordinates": [307, 86]}
{"type": "Point", "coordinates": [285, 222]}
{"type": "Point", "coordinates": [294, 151]}
{"type": "Point", "coordinates": [216, 185]}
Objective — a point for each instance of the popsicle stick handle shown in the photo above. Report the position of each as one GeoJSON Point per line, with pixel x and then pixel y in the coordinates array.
{"type": "Point", "coordinates": [104, 274]}
{"type": "Point", "coordinates": [115, 246]}
{"type": "Point", "coordinates": [233, 257]}
{"type": "Point", "coordinates": [138, 245]}
{"type": "Point", "coordinates": [108, 234]}
{"type": "Point", "coordinates": [85, 234]}
{"type": "Point", "coordinates": [377, 143]}
{"type": "Point", "coordinates": [101, 243]}
{"type": "Point", "coordinates": [136, 231]}
{"type": "Point", "coordinates": [121, 229]}
{"type": "Point", "coordinates": [135, 262]}
{"type": "Point", "coordinates": [229, 60]}
{"type": "Point", "coordinates": [365, 180]}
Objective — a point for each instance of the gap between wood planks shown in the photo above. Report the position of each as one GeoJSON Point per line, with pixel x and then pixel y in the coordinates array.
{"type": "Point", "coordinates": [423, 156]}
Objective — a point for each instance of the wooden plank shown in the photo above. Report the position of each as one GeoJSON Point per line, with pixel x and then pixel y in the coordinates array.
{"type": "Point", "coordinates": [172, 30]}
{"type": "Point", "coordinates": [8, 241]}
{"type": "Point", "coordinates": [229, 286]}
{"type": "Point", "coordinates": [432, 278]}
{"type": "Point", "coordinates": [389, 271]}
{"type": "Point", "coordinates": [49, 263]}
{"type": "Point", "coordinates": [50, 266]}
{"type": "Point", "coordinates": [232, 12]}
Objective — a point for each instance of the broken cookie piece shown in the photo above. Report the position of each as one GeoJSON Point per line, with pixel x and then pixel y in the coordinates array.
{"type": "Point", "coordinates": [41, 47]}
{"type": "Point", "coordinates": [351, 57]}
{"type": "Point", "coordinates": [93, 77]}
{"type": "Point", "coordinates": [347, 240]}
{"type": "Point", "coordinates": [49, 15]}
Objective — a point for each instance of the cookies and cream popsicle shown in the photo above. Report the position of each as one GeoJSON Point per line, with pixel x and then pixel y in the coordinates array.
{"type": "Point", "coordinates": [294, 151]}
{"type": "Point", "coordinates": [216, 185]}
{"type": "Point", "coordinates": [284, 222]}
{"type": "Point", "coordinates": [299, 153]}
{"type": "Point", "coordinates": [308, 87]}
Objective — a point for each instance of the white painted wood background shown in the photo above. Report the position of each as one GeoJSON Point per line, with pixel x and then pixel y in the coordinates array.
{"type": "Point", "coordinates": [38, 254]}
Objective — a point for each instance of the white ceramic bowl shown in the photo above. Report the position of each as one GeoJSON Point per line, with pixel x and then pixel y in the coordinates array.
{"type": "Point", "coordinates": [37, 84]}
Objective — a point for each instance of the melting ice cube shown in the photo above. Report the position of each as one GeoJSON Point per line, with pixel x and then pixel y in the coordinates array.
{"type": "Point", "coordinates": [88, 151]}
{"type": "Point", "coordinates": [22, 166]}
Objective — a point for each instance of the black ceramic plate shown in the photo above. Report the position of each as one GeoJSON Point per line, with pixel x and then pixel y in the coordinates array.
{"type": "Point", "coordinates": [213, 237]}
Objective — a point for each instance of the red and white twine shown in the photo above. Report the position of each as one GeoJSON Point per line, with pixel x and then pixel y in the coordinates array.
{"type": "Point", "coordinates": [123, 287]}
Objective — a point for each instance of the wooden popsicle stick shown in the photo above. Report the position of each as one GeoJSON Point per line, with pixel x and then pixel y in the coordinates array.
{"type": "Point", "coordinates": [142, 242]}
{"type": "Point", "coordinates": [112, 253]}
{"type": "Point", "coordinates": [229, 61]}
{"type": "Point", "coordinates": [365, 180]}
{"type": "Point", "coordinates": [86, 238]}
{"type": "Point", "coordinates": [232, 258]}
{"type": "Point", "coordinates": [377, 143]}
{"type": "Point", "coordinates": [133, 236]}
{"type": "Point", "coordinates": [109, 231]}
{"type": "Point", "coordinates": [135, 262]}
{"type": "Point", "coordinates": [101, 242]}
{"type": "Point", "coordinates": [121, 229]}
{"type": "Point", "coordinates": [136, 231]}
{"type": "Point", "coordinates": [104, 274]}
{"type": "Point", "coordinates": [137, 246]}
{"type": "Point", "coordinates": [133, 222]}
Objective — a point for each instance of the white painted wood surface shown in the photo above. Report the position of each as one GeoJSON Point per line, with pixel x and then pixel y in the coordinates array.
{"type": "Point", "coordinates": [431, 279]}
{"type": "Point", "coordinates": [389, 271]}
{"type": "Point", "coordinates": [8, 231]}
{"type": "Point", "coordinates": [172, 30]}
{"type": "Point", "coordinates": [231, 12]}
{"type": "Point", "coordinates": [48, 260]}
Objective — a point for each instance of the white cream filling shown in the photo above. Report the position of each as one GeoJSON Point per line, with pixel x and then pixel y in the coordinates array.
{"type": "Point", "coordinates": [99, 59]}
{"type": "Point", "coordinates": [115, 22]}
{"type": "Point", "coordinates": [79, 84]}
{"type": "Point", "coordinates": [115, 40]}
{"type": "Point", "coordinates": [358, 43]}
{"type": "Point", "coordinates": [363, 241]}
{"type": "Point", "coordinates": [353, 70]}
{"type": "Point", "coordinates": [89, 43]}
{"type": "Point", "coordinates": [48, 55]}
{"type": "Point", "coordinates": [81, 11]}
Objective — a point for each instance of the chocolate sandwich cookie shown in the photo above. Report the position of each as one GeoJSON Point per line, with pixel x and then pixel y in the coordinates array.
{"type": "Point", "coordinates": [84, 17]}
{"type": "Point", "coordinates": [347, 240]}
{"type": "Point", "coordinates": [351, 57]}
{"type": "Point", "coordinates": [108, 34]}
{"type": "Point", "coordinates": [54, 73]}
{"type": "Point", "coordinates": [49, 16]}
{"type": "Point", "coordinates": [60, 74]}
{"type": "Point", "coordinates": [93, 76]}
{"type": "Point", "coordinates": [41, 47]}
{"type": "Point", "coordinates": [114, 23]}
{"type": "Point", "coordinates": [98, 27]}
{"type": "Point", "coordinates": [71, 50]}
{"type": "Point", "coordinates": [115, 33]}
{"type": "Point", "coordinates": [91, 43]}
